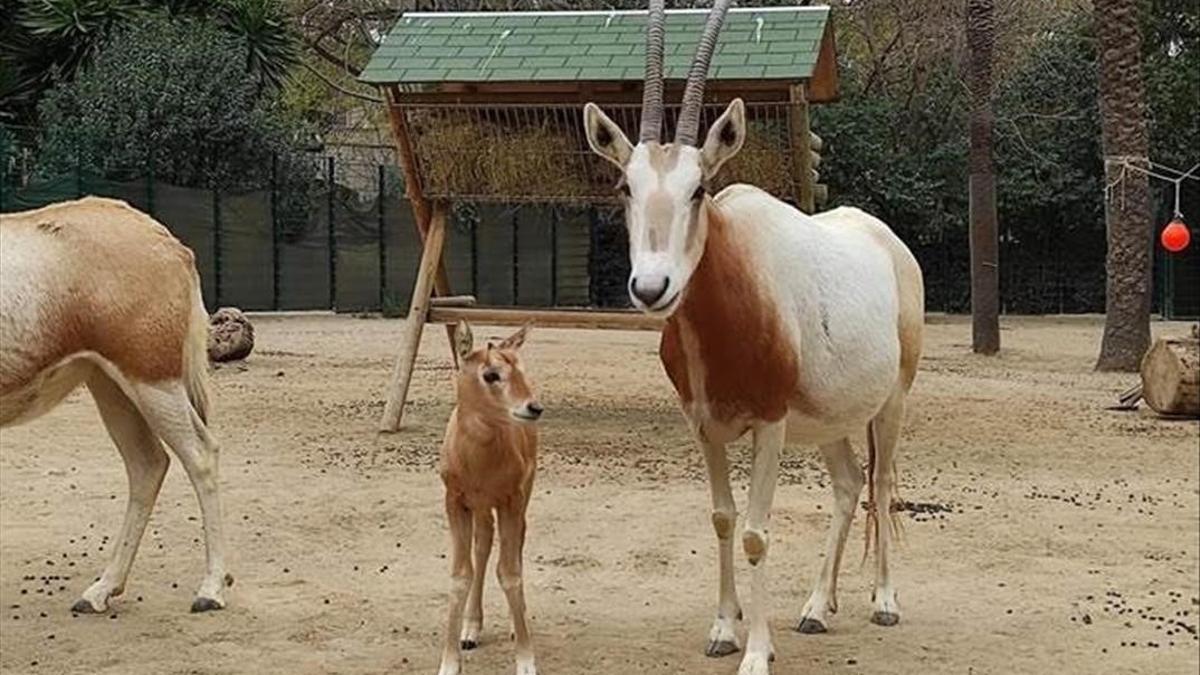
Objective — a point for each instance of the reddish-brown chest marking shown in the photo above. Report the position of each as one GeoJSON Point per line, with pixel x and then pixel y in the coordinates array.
{"type": "Point", "coordinates": [736, 346]}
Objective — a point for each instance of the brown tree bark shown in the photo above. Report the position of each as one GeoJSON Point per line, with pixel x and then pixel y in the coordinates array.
{"type": "Point", "coordinates": [985, 258]}
{"type": "Point", "coordinates": [1127, 211]}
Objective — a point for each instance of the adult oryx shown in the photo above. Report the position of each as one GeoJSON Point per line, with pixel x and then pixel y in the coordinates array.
{"type": "Point", "coordinates": [95, 292]}
{"type": "Point", "coordinates": [775, 320]}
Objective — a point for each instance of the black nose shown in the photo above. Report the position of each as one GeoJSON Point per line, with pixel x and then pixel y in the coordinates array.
{"type": "Point", "coordinates": [648, 292]}
{"type": "Point", "coordinates": [535, 409]}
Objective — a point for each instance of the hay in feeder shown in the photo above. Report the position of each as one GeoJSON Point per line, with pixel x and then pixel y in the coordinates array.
{"type": "Point", "coordinates": [449, 149]}
{"type": "Point", "coordinates": [762, 162]}
{"type": "Point", "coordinates": [473, 155]}
{"type": "Point", "coordinates": [534, 160]}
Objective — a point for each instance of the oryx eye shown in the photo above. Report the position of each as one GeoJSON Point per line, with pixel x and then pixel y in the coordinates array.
{"type": "Point", "coordinates": [623, 189]}
{"type": "Point", "coordinates": [491, 377]}
{"type": "Point", "coordinates": [698, 194]}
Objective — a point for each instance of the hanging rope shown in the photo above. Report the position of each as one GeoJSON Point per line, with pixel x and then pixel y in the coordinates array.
{"type": "Point", "coordinates": [1125, 163]}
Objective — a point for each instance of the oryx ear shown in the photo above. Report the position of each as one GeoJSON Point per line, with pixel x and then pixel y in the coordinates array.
{"type": "Point", "coordinates": [517, 339]}
{"type": "Point", "coordinates": [605, 137]}
{"type": "Point", "coordinates": [725, 138]}
{"type": "Point", "coordinates": [464, 342]}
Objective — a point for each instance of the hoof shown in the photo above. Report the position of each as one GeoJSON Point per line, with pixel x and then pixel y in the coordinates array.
{"type": "Point", "coordinates": [811, 627]}
{"type": "Point", "coordinates": [228, 579]}
{"type": "Point", "coordinates": [885, 618]}
{"type": "Point", "coordinates": [719, 648]}
{"type": "Point", "coordinates": [468, 644]}
{"type": "Point", "coordinates": [205, 605]}
{"type": "Point", "coordinates": [82, 606]}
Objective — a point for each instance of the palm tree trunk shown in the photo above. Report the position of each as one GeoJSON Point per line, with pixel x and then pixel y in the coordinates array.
{"type": "Point", "coordinates": [1127, 211]}
{"type": "Point", "coordinates": [985, 259]}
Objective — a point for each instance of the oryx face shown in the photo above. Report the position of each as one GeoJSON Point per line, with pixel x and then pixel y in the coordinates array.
{"type": "Point", "coordinates": [662, 185]}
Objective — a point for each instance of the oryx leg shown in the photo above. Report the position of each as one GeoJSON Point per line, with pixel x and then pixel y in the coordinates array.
{"type": "Point", "coordinates": [764, 474]}
{"type": "Point", "coordinates": [484, 529]}
{"type": "Point", "coordinates": [722, 638]}
{"type": "Point", "coordinates": [886, 427]}
{"type": "Point", "coordinates": [145, 466]}
{"type": "Point", "coordinates": [170, 414]}
{"type": "Point", "coordinates": [847, 478]}
{"type": "Point", "coordinates": [459, 519]}
{"type": "Point", "coordinates": [509, 570]}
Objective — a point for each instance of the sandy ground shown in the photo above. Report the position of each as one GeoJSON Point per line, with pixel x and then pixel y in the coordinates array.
{"type": "Point", "coordinates": [1070, 544]}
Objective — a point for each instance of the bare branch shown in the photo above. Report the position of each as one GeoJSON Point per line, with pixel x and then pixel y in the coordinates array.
{"type": "Point", "coordinates": [334, 85]}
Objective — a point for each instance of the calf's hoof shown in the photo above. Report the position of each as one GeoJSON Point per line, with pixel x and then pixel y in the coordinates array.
{"type": "Point", "coordinates": [468, 645]}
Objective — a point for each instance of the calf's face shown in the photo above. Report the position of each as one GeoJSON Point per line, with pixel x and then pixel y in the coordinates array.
{"type": "Point", "coordinates": [491, 380]}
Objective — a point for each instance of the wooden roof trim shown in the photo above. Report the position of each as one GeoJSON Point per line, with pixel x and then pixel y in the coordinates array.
{"type": "Point", "coordinates": [823, 84]}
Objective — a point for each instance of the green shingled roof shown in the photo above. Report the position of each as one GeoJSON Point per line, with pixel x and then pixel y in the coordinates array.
{"type": "Point", "coordinates": [768, 43]}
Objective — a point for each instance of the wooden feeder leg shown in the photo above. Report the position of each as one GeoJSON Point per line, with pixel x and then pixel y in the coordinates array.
{"type": "Point", "coordinates": [416, 195]}
{"type": "Point", "coordinates": [798, 128]}
{"type": "Point", "coordinates": [441, 287]}
{"type": "Point", "coordinates": [418, 311]}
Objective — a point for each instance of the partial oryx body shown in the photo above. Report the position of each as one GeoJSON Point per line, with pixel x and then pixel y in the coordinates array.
{"type": "Point", "coordinates": [95, 292]}
{"type": "Point", "coordinates": [779, 324]}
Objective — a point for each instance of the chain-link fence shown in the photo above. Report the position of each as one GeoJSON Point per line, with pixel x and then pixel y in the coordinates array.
{"type": "Point", "coordinates": [346, 240]}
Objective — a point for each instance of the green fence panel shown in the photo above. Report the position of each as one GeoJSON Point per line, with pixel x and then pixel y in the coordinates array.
{"type": "Point", "coordinates": [535, 259]}
{"type": "Point", "coordinates": [188, 213]}
{"type": "Point", "coordinates": [246, 250]}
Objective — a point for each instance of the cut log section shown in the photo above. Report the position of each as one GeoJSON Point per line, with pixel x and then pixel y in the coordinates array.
{"type": "Point", "coordinates": [1171, 377]}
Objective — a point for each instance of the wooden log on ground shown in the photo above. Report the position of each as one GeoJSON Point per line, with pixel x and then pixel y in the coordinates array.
{"type": "Point", "coordinates": [1171, 376]}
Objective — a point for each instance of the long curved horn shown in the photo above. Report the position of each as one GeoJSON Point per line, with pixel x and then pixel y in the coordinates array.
{"type": "Point", "coordinates": [652, 90]}
{"type": "Point", "coordinates": [687, 129]}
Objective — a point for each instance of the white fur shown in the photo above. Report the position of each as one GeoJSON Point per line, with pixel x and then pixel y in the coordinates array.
{"type": "Point", "coordinates": [825, 268]}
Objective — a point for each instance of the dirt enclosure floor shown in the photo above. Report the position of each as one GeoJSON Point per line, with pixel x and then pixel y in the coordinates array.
{"type": "Point", "coordinates": [1060, 537]}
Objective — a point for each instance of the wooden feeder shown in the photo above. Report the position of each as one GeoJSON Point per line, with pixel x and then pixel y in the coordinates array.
{"type": "Point", "coordinates": [487, 107]}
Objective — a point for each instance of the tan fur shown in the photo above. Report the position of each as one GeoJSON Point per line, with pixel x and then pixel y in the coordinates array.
{"type": "Point", "coordinates": [123, 287]}
{"type": "Point", "coordinates": [488, 459]}
{"type": "Point", "coordinates": [488, 463]}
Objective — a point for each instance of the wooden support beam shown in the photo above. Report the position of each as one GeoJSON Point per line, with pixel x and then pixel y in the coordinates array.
{"type": "Point", "coordinates": [798, 129]}
{"type": "Point", "coordinates": [549, 318]}
{"type": "Point", "coordinates": [453, 301]}
{"type": "Point", "coordinates": [413, 189]}
{"type": "Point", "coordinates": [418, 310]}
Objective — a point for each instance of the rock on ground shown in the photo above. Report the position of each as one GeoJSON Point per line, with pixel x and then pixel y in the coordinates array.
{"type": "Point", "coordinates": [230, 335]}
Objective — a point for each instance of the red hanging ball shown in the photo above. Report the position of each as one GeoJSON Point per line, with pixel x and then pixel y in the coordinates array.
{"type": "Point", "coordinates": [1176, 236]}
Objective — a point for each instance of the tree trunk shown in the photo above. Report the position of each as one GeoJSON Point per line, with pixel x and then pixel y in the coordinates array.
{"type": "Point", "coordinates": [1127, 210]}
{"type": "Point", "coordinates": [985, 259]}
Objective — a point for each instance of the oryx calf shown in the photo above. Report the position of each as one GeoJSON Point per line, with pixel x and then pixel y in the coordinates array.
{"type": "Point", "coordinates": [95, 292]}
{"type": "Point", "coordinates": [488, 462]}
